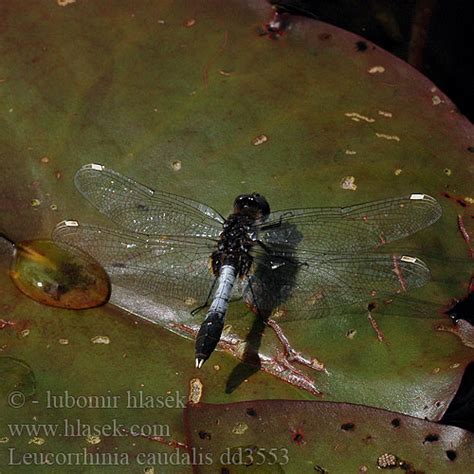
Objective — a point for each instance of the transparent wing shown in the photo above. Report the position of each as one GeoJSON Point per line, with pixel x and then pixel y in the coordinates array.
{"type": "Point", "coordinates": [172, 268]}
{"type": "Point", "coordinates": [349, 229]}
{"type": "Point", "coordinates": [293, 290]}
{"type": "Point", "coordinates": [141, 209]}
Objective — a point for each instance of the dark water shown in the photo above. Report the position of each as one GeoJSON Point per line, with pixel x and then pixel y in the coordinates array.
{"type": "Point", "coordinates": [432, 35]}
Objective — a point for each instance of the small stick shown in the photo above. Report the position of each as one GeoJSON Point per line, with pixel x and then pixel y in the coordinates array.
{"type": "Point", "coordinates": [291, 353]}
{"type": "Point", "coordinates": [465, 234]}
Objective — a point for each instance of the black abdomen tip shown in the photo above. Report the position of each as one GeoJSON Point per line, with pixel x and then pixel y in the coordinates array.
{"type": "Point", "coordinates": [208, 337]}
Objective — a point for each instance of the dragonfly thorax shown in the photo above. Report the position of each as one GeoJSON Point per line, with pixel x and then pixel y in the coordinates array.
{"type": "Point", "coordinates": [237, 238]}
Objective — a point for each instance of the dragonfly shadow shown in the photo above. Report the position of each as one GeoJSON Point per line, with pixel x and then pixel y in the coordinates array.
{"type": "Point", "coordinates": [251, 362]}
{"type": "Point", "coordinates": [276, 268]}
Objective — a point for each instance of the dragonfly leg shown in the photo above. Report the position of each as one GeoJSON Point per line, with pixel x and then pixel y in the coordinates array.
{"type": "Point", "coordinates": [254, 305]}
{"type": "Point", "coordinates": [264, 247]}
{"type": "Point", "coordinates": [279, 223]}
{"type": "Point", "coordinates": [293, 355]}
{"type": "Point", "coordinates": [206, 303]}
{"type": "Point", "coordinates": [284, 258]}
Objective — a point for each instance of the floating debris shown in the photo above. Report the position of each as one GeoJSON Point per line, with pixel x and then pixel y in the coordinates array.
{"type": "Point", "coordinates": [93, 439]}
{"type": "Point", "coordinates": [376, 69]}
{"type": "Point", "coordinates": [387, 460]}
{"type": "Point", "coordinates": [387, 137]}
{"type": "Point", "coordinates": [358, 117]}
{"type": "Point", "coordinates": [348, 182]}
{"type": "Point", "coordinates": [240, 428]}
{"type": "Point", "coordinates": [37, 440]}
{"type": "Point", "coordinates": [351, 333]}
{"type": "Point", "coordinates": [100, 340]}
{"type": "Point", "coordinates": [195, 390]}
{"type": "Point", "coordinates": [260, 140]}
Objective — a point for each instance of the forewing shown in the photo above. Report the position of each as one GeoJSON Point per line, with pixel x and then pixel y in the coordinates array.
{"type": "Point", "coordinates": [170, 268]}
{"type": "Point", "coordinates": [350, 229]}
{"type": "Point", "coordinates": [141, 209]}
{"type": "Point", "coordinates": [289, 290]}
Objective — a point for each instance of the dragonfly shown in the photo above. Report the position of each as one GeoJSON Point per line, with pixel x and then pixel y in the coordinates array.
{"type": "Point", "coordinates": [289, 264]}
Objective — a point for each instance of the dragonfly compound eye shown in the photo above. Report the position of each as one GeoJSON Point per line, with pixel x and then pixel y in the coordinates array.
{"type": "Point", "coordinates": [253, 205]}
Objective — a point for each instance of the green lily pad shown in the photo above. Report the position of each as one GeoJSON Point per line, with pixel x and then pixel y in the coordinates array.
{"type": "Point", "coordinates": [195, 98]}
{"type": "Point", "coordinates": [17, 381]}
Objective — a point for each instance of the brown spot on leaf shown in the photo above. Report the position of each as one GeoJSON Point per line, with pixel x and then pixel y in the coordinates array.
{"type": "Point", "coordinates": [297, 437]}
{"type": "Point", "coordinates": [451, 454]}
{"type": "Point", "coordinates": [204, 435]}
{"type": "Point", "coordinates": [320, 469]}
{"type": "Point", "coordinates": [457, 199]}
{"type": "Point", "coordinates": [361, 46]}
{"type": "Point", "coordinates": [431, 438]}
{"type": "Point", "coordinates": [251, 412]}
{"type": "Point", "coordinates": [347, 427]}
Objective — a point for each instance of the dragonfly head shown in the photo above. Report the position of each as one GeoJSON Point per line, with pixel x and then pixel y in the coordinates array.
{"type": "Point", "coordinates": [252, 205]}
